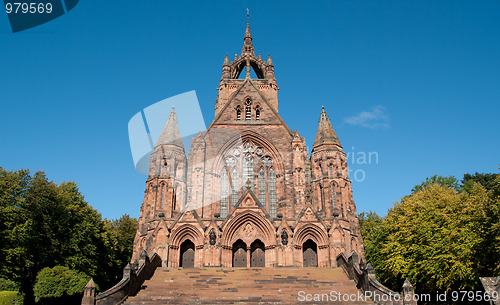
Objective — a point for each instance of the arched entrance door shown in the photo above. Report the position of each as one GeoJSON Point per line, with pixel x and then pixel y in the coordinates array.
{"type": "Point", "coordinates": [239, 254]}
{"type": "Point", "coordinates": [310, 254]}
{"type": "Point", "coordinates": [257, 256]}
{"type": "Point", "coordinates": [187, 254]}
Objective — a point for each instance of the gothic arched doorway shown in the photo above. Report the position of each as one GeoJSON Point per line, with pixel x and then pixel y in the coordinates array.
{"type": "Point", "coordinates": [187, 254]}
{"type": "Point", "coordinates": [257, 256]}
{"type": "Point", "coordinates": [239, 254]}
{"type": "Point", "coordinates": [310, 254]}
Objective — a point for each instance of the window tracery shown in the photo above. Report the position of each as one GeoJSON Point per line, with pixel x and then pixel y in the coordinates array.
{"type": "Point", "coordinates": [272, 193]}
{"type": "Point", "coordinates": [224, 193]}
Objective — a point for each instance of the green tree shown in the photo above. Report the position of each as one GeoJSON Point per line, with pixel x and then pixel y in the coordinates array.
{"type": "Point", "coordinates": [488, 181]}
{"type": "Point", "coordinates": [371, 230]}
{"type": "Point", "coordinates": [44, 224]}
{"type": "Point", "coordinates": [437, 238]}
{"type": "Point", "coordinates": [13, 189]}
{"type": "Point", "coordinates": [123, 231]}
{"type": "Point", "coordinates": [59, 285]}
{"type": "Point", "coordinates": [373, 237]}
{"type": "Point", "coordinates": [10, 298]}
{"type": "Point", "coordinates": [449, 181]}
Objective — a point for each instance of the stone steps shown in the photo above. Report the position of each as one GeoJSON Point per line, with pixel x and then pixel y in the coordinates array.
{"type": "Point", "coordinates": [243, 286]}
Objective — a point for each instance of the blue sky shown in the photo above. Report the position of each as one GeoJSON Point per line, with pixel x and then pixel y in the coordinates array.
{"type": "Point", "coordinates": [416, 82]}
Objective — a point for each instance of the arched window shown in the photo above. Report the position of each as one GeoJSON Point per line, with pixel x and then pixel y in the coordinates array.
{"type": "Point", "coordinates": [298, 178]}
{"type": "Point", "coordinates": [272, 193]}
{"type": "Point", "coordinates": [248, 109]}
{"type": "Point", "coordinates": [300, 197]}
{"type": "Point", "coordinates": [331, 170]}
{"type": "Point", "coordinates": [334, 196]}
{"type": "Point", "coordinates": [235, 188]}
{"type": "Point", "coordinates": [224, 193]}
{"type": "Point", "coordinates": [238, 112]}
{"type": "Point", "coordinates": [262, 186]}
{"type": "Point", "coordinates": [162, 195]}
{"type": "Point", "coordinates": [257, 113]}
{"type": "Point", "coordinates": [248, 170]}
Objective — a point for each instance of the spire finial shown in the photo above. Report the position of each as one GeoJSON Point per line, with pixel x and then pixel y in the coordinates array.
{"type": "Point", "coordinates": [323, 116]}
{"type": "Point", "coordinates": [247, 47]}
{"type": "Point", "coordinates": [269, 60]}
{"type": "Point", "coordinates": [247, 31]}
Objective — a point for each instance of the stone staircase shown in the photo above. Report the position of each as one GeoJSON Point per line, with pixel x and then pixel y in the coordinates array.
{"type": "Point", "coordinates": [245, 286]}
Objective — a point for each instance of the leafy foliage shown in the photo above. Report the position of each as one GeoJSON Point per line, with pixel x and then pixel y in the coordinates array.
{"type": "Point", "coordinates": [10, 298]}
{"type": "Point", "coordinates": [123, 232]}
{"type": "Point", "coordinates": [58, 282]}
{"type": "Point", "coordinates": [8, 285]}
{"type": "Point", "coordinates": [488, 181]}
{"type": "Point", "coordinates": [450, 182]}
{"type": "Point", "coordinates": [439, 237]}
{"type": "Point", "coordinates": [43, 224]}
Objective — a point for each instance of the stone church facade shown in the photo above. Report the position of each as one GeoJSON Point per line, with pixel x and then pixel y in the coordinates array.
{"type": "Point", "coordinates": [248, 194]}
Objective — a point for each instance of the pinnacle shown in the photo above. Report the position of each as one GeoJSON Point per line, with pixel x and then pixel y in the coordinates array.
{"type": "Point", "coordinates": [247, 31]}
{"type": "Point", "coordinates": [90, 284]}
{"type": "Point", "coordinates": [170, 134]}
{"type": "Point", "coordinates": [325, 134]}
{"type": "Point", "coordinates": [269, 60]}
{"type": "Point", "coordinates": [247, 46]}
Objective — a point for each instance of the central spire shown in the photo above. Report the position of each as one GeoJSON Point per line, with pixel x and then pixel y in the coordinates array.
{"type": "Point", "coordinates": [247, 46]}
{"type": "Point", "coordinates": [247, 32]}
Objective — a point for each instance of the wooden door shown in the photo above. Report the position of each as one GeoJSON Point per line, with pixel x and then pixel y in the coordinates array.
{"type": "Point", "coordinates": [239, 254]}
{"type": "Point", "coordinates": [187, 255]}
{"type": "Point", "coordinates": [310, 254]}
{"type": "Point", "coordinates": [310, 258]}
{"type": "Point", "coordinates": [258, 255]}
{"type": "Point", "coordinates": [240, 258]}
{"type": "Point", "coordinates": [258, 258]}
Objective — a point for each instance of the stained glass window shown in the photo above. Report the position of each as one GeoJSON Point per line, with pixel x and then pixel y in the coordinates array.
{"type": "Point", "coordinates": [162, 195]}
{"type": "Point", "coordinates": [235, 188]}
{"type": "Point", "coordinates": [334, 196]}
{"type": "Point", "coordinates": [224, 193]}
{"type": "Point", "coordinates": [248, 170]}
{"type": "Point", "coordinates": [272, 193]}
{"type": "Point", "coordinates": [262, 186]}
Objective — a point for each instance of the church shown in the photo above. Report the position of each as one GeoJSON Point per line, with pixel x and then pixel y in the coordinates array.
{"type": "Point", "coordinates": [248, 215]}
{"type": "Point", "coordinates": [248, 194]}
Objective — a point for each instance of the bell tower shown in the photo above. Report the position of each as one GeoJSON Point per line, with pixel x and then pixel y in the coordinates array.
{"type": "Point", "coordinates": [231, 71]}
